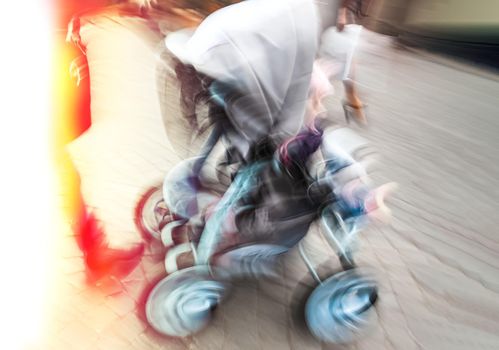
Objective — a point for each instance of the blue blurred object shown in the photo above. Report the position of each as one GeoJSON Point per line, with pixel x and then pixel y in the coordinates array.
{"type": "Point", "coordinates": [340, 308]}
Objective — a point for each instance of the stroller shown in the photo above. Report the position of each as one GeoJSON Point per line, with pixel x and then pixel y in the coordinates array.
{"type": "Point", "coordinates": [257, 205]}
{"type": "Point", "coordinates": [341, 306]}
{"type": "Point", "coordinates": [273, 203]}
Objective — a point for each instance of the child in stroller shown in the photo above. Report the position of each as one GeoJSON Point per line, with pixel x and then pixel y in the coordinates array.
{"type": "Point", "coordinates": [272, 196]}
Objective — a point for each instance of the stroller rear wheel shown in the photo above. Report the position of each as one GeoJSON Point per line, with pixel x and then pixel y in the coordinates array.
{"type": "Point", "coordinates": [151, 213]}
{"type": "Point", "coordinates": [341, 308]}
{"type": "Point", "coordinates": [182, 303]}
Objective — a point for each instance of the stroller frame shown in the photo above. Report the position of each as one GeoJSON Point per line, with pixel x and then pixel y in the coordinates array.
{"type": "Point", "coordinates": [349, 295]}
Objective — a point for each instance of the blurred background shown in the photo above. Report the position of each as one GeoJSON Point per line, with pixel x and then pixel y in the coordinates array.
{"type": "Point", "coordinates": [427, 70]}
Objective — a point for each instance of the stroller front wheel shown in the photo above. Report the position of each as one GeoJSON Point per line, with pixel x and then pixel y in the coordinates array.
{"type": "Point", "coordinates": [182, 303]}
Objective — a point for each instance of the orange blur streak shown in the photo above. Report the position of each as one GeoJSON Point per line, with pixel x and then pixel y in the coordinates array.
{"type": "Point", "coordinates": [65, 125]}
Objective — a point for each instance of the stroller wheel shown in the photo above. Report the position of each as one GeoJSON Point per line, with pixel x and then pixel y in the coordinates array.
{"type": "Point", "coordinates": [182, 303]}
{"type": "Point", "coordinates": [152, 213]}
{"type": "Point", "coordinates": [341, 308]}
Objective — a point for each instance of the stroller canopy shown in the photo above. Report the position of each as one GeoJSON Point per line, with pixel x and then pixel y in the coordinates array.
{"type": "Point", "coordinates": [264, 50]}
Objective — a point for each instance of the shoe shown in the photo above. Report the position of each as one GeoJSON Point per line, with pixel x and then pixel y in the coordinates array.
{"type": "Point", "coordinates": [375, 204]}
{"type": "Point", "coordinates": [101, 260]}
{"type": "Point", "coordinates": [355, 112]}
